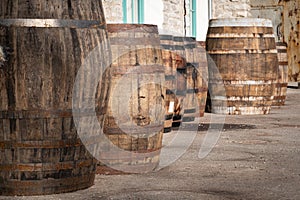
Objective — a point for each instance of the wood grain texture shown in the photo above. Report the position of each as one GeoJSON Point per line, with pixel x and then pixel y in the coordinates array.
{"type": "Point", "coordinates": [136, 109]}
{"type": "Point", "coordinates": [40, 150]}
{"type": "Point", "coordinates": [38, 9]}
{"type": "Point", "coordinates": [246, 59]}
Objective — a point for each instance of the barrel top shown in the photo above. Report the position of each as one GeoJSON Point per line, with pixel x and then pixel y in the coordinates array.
{"type": "Point", "coordinates": [149, 28]}
{"type": "Point", "coordinates": [51, 23]}
{"type": "Point", "coordinates": [240, 22]}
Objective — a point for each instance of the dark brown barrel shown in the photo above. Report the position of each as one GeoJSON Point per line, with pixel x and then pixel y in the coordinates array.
{"type": "Point", "coordinates": [245, 54]}
{"type": "Point", "coordinates": [136, 105]}
{"type": "Point", "coordinates": [283, 78]}
{"type": "Point", "coordinates": [167, 46]}
{"type": "Point", "coordinates": [40, 150]}
{"type": "Point", "coordinates": [179, 60]}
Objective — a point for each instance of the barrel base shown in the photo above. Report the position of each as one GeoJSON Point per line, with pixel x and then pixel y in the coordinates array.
{"type": "Point", "coordinates": [46, 186]}
{"type": "Point", "coordinates": [133, 165]}
{"type": "Point", "coordinates": [242, 110]}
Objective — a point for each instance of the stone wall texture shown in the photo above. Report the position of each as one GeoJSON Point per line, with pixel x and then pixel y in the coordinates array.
{"type": "Point", "coordinates": [174, 13]}
{"type": "Point", "coordinates": [230, 8]}
{"type": "Point", "coordinates": [113, 11]}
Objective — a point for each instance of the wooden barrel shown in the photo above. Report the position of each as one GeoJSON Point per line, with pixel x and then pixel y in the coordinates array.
{"type": "Point", "coordinates": [40, 150]}
{"type": "Point", "coordinates": [167, 46]}
{"type": "Point", "coordinates": [136, 104]}
{"type": "Point", "coordinates": [179, 60]}
{"type": "Point", "coordinates": [283, 78]}
{"type": "Point", "coordinates": [245, 54]}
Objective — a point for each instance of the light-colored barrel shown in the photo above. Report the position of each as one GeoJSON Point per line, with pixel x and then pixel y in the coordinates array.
{"type": "Point", "coordinates": [245, 54]}
{"type": "Point", "coordinates": [136, 107]}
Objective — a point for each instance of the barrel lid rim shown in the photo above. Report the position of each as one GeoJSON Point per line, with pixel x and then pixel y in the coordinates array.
{"type": "Point", "coordinates": [51, 23]}
{"type": "Point", "coordinates": [246, 22]}
{"type": "Point", "coordinates": [119, 27]}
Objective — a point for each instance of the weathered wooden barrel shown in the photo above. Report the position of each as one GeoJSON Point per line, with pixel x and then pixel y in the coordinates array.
{"type": "Point", "coordinates": [136, 107]}
{"type": "Point", "coordinates": [45, 44]}
{"type": "Point", "coordinates": [167, 46]}
{"type": "Point", "coordinates": [245, 54]}
{"type": "Point", "coordinates": [283, 78]}
{"type": "Point", "coordinates": [179, 60]}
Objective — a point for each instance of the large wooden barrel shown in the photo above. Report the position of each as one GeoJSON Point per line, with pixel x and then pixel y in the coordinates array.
{"type": "Point", "coordinates": [245, 54]}
{"type": "Point", "coordinates": [283, 77]}
{"type": "Point", "coordinates": [45, 43]}
{"type": "Point", "coordinates": [167, 46]}
{"type": "Point", "coordinates": [136, 107]}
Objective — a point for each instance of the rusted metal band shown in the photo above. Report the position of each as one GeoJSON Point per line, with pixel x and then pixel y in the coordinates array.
{"type": "Point", "coordinates": [130, 132]}
{"type": "Point", "coordinates": [132, 42]}
{"type": "Point", "coordinates": [170, 91]}
{"type": "Point", "coordinates": [281, 44]}
{"type": "Point", "coordinates": [250, 51]}
{"type": "Point", "coordinates": [166, 37]}
{"type": "Point", "coordinates": [178, 39]}
{"type": "Point", "coordinates": [189, 46]}
{"type": "Point", "coordinates": [133, 28]}
{"type": "Point", "coordinates": [52, 23]}
{"type": "Point", "coordinates": [189, 111]}
{"type": "Point", "coordinates": [43, 114]}
{"type": "Point", "coordinates": [178, 47]}
{"type": "Point", "coordinates": [43, 144]}
{"type": "Point", "coordinates": [280, 85]}
{"type": "Point", "coordinates": [281, 97]}
{"type": "Point", "coordinates": [189, 39]}
{"type": "Point", "coordinates": [167, 46]}
{"type": "Point", "coordinates": [168, 117]}
{"type": "Point", "coordinates": [139, 69]}
{"type": "Point", "coordinates": [281, 50]}
{"type": "Point", "coordinates": [283, 63]}
{"type": "Point", "coordinates": [170, 77]}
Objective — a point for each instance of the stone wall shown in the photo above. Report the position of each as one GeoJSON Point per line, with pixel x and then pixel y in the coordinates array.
{"type": "Point", "coordinates": [113, 11]}
{"type": "Point", "coordinates": [230, 8]}
{"type": "Point", "coordinates": [269, 9]}
{"type": "Point", "coordinates": [174, 14]}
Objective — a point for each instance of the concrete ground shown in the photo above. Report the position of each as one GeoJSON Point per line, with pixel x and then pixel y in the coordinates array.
{"type": "Point", "coordinates": [256, 157]}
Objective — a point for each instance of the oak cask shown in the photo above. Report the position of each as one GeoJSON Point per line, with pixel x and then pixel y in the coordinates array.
{"type": "Point", "coordinates": [245, 54]}
{"type": "Point", "coordinates": [45, 43]}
